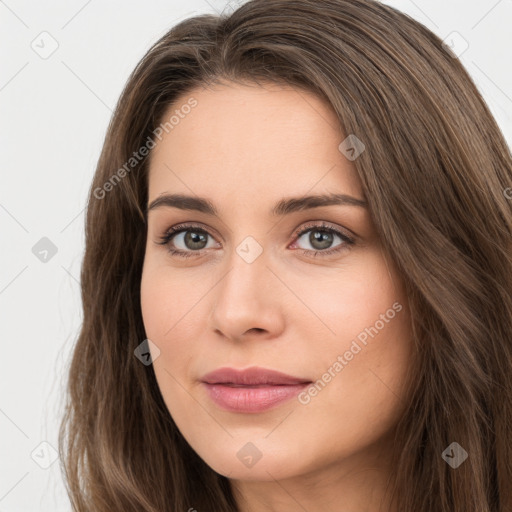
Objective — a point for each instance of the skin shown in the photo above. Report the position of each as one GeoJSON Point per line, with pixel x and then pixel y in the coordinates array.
{"type": "Point", "coordinates": [245, 147]}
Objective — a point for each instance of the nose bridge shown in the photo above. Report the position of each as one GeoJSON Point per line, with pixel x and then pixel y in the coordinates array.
{"type": "Point", "coordinates": [247, 266]}
{"type": "Point", "coordinates": [242, 299]}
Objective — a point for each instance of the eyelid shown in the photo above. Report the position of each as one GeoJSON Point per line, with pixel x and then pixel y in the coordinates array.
{"type": "Point", "coordinates": [319, 224]}
{"type": "Point", "coordinates": [198, 226]}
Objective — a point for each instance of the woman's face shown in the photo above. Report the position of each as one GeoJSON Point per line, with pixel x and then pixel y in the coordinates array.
{"type": "Point", "coordinates": [270, 280]}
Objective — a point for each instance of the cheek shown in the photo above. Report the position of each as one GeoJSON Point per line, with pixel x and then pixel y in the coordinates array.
{"type": "Point", "coordinates": [155, 305]}
{"type": "Point", "coordinates": [352, 299]}
{"type": "Point", "coordinates": [166, 302]}
{"type": "Point", "coordinates": [364, 357]}
{"type": "Point", "coordinates": [161, 308]}
{"type": "Point", "coordinates": [173, 315]}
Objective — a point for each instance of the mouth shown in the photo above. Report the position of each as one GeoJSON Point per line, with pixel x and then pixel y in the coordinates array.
{"type": "Point", "coordinates": [254, 376]}
{"type": "Point", "coordinates": [252, 390]}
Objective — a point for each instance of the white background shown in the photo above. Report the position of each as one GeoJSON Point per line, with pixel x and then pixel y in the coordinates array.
{"type": "Point", "coordinates": [54, 114]}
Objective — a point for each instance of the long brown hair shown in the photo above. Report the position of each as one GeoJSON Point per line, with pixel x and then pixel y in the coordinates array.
{"type": "Point", "coordinates": [434, 172]}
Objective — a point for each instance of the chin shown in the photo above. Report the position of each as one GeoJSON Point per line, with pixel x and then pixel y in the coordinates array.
{"type": "Point", "coordinates": [246, 461]}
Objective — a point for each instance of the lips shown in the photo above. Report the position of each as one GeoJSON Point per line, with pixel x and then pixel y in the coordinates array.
{"type": "Point", "coordinates": [252, 390]}
{"type": "Point", "coordinates": [254, 376]}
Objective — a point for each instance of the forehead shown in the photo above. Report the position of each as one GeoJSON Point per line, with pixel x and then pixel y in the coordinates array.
{"type": "Point", "coordinates": [249, 141]}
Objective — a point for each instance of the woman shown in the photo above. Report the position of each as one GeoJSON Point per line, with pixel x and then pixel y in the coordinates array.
{"type": "Point", "coordinates": [297, 282]}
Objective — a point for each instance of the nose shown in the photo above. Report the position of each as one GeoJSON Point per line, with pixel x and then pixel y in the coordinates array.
{"type": "Point", "coordinates": [247, 301]}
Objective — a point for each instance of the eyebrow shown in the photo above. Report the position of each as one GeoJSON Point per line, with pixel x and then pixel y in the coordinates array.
{"type": "Point", "coordinates": [283, 207]}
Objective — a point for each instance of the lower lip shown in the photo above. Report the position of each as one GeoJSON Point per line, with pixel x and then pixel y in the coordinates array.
{"type": "Point", "coordinates": [251, 399]}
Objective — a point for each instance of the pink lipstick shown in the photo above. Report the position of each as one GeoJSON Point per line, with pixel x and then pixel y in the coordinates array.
{"type": "Point", "coordinates": [251, 390]}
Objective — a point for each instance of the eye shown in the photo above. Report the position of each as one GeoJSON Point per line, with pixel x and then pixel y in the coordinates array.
{"type": "Point", "coordinates": [321, 239]}
{"type": "Point", "coordinates": [190, 240]}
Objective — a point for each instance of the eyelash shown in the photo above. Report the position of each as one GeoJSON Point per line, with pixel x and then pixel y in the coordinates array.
{"type": "Point", "coordinates": [173, 231]}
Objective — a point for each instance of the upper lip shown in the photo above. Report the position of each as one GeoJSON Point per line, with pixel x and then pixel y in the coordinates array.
{"type": "Point", "coordinates": [251, 377]}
